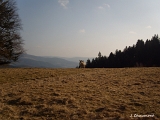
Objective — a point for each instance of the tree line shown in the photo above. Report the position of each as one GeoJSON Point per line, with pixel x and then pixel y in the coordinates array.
{"type": "Point", "coordinates": [143, 54]}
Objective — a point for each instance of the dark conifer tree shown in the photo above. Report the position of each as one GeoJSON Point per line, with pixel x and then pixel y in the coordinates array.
{"type": "Point", "coordinates": [88, 64]}
{"type": "Point", "coordinates": [140, 52]}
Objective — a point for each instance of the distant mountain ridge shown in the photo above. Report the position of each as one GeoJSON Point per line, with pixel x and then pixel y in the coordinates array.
{"type": "Point", "coordinates": [76, 59]}
{"type": "Point", "coordinates": [27, 60]}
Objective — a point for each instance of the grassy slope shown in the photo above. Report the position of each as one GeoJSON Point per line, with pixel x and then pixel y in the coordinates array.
{"type": "Point", "coordinates": [79, 93]}
{"type": "Point", "coordinates": [23, 74]}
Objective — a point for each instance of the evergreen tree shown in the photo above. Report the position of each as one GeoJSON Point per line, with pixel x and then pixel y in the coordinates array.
{"type": "Point", "coordinates": [111, 60]}
{"type": "Point", "coordinates": [99, 55]}
{"type": "Point", "coordinates": [140, 52]}
{"type": "Point", "coordinates": [88, 64]}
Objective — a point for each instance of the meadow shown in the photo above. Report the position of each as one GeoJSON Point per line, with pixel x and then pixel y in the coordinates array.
{"type": "Point", "coordinates": [80, 94]}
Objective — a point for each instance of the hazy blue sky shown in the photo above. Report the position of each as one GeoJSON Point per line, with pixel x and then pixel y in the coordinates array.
{"type": "Point", "coordinates": [82, 28]}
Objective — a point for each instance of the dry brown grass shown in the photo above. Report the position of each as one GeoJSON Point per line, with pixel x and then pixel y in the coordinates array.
{"type": "Point", "coordinates": [73, 94]}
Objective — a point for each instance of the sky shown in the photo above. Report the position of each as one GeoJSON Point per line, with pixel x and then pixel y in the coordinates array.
{"type": "Point", "coordinates": [82, 28]}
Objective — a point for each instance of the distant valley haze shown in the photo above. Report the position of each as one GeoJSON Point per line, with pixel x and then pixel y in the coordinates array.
{"type": "Point", "coordinates": [27, 60]}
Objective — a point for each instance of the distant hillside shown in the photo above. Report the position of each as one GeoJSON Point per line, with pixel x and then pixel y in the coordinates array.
{"type": "Point", "coordinates": [27, 60]}
{"type": "Point", "coordinates": [76, 59]}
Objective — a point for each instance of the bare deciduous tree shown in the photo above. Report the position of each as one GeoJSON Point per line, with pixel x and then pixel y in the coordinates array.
{"type": "Point", "coordinates": [11, 43]}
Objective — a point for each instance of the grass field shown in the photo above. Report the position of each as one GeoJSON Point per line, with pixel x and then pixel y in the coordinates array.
{"type": "Point", "coordinates": [79, 94]}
